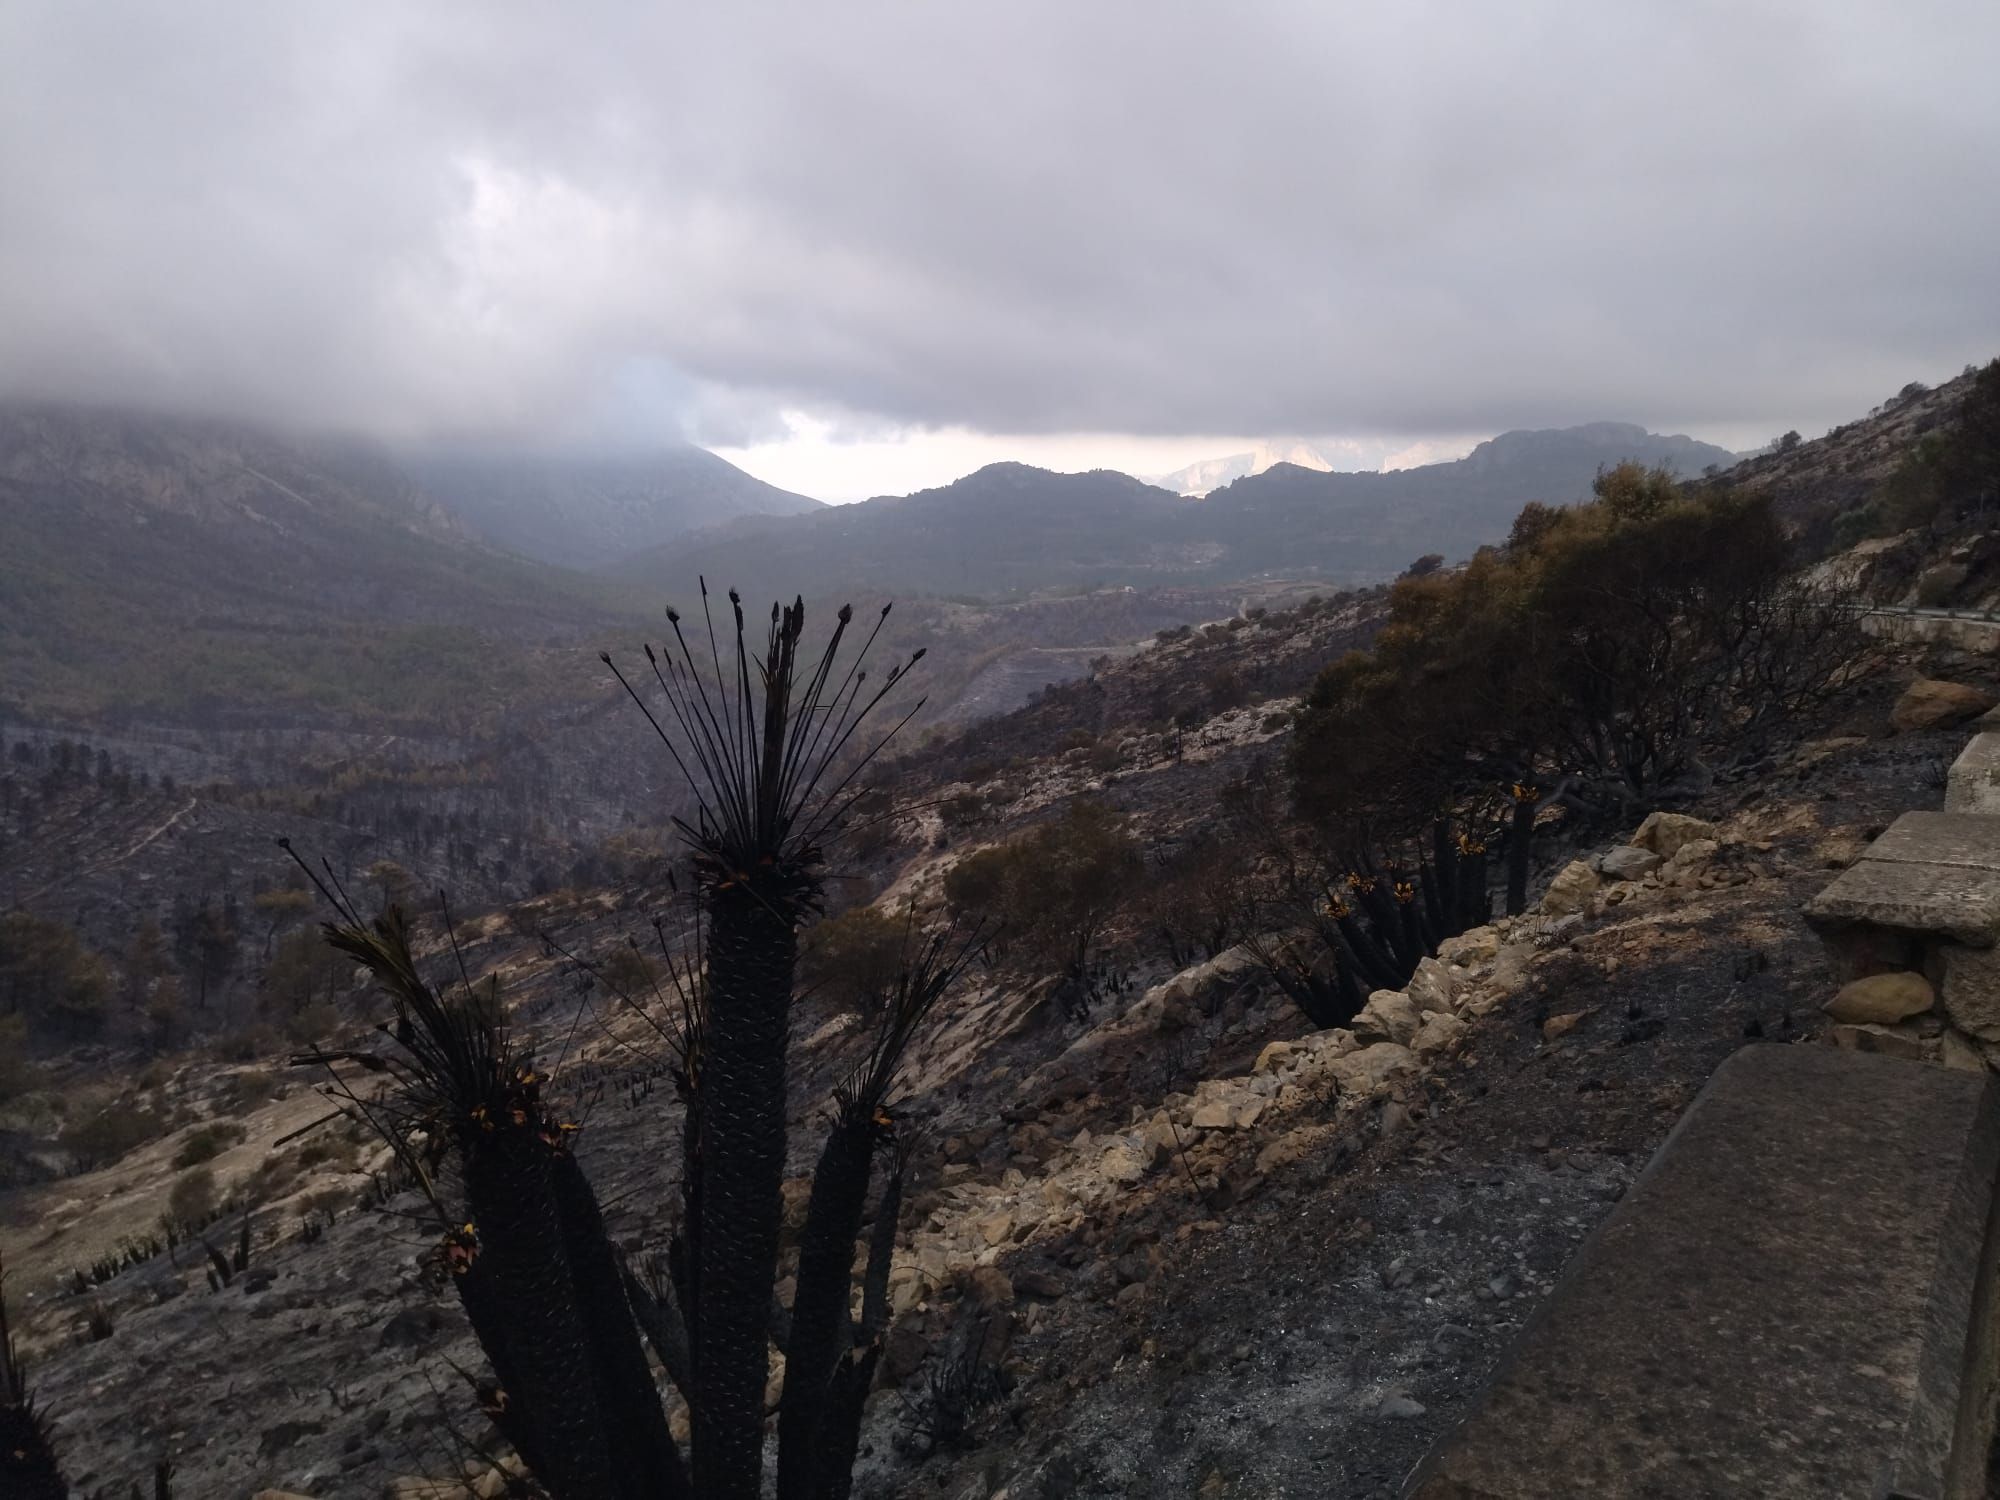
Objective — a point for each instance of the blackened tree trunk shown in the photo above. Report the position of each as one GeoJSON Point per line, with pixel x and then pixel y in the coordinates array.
{"type": "Point", "coordinates": [753, 945]}
{"type": "Point", "coordinates": [820, 1322]}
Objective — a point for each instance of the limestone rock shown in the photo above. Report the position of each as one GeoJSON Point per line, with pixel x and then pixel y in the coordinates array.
{"type": "Point", "coordinates": [1882, 999]}
{"type": "Point", "coordinates": [1274, 1056]}
{"type": "Point", "coordinates": [1121, 1164]}
{"type": "Point", "coordinates": [1433, 988]}
{"type": "Point", "coordinates": [1440, 1031]}
{"type": "Point", "coordinates": [995, 1228]}
{"type": "Point", "coordinates": [1469, 948]}
{"type": "Point", "coordinates": [1216, 1114]}
{"type": "Point", "coordinates": [1688, 859]}
{"type": "Point", "coordinates": [1628, 862]}
{"type": "Point", "coordinates": [1370, 1068]}
{"type": "Point", "coordinates": [1663, 833]}
{"type": "Point", "coordinates": [1557, 1027]}
{"type": "Point", "coordinates": [1931, 703]}
{"type": "Point", "coordinates": [1389, 1016]}
{"type": "Point", "coordinates": [1571, 890]}
{"type": "Point", "coordinates": [1206, 982]}
{"type": "Point", "coordinates": [1335, 1041]}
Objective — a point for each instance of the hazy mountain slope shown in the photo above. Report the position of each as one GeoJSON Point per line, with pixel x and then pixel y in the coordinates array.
{"type": "Point", "coordinates": [587, 510]}
{"type": "Point", "coordinates": [156, 564]}
{"type": "Point", "coordinates": [1010, 528]}
{"type": "Point", "coordinates": [1362, 527]}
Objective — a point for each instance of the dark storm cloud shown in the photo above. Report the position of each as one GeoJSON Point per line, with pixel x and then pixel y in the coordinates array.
{"type": "Point", "coordinates": [1137, 217]}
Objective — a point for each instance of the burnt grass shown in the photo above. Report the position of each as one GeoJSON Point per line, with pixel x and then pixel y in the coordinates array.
{"type": "Point", "coordinates": [1317, 1338]}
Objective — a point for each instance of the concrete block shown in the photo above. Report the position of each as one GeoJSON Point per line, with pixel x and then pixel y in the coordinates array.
{"type": "Point", "coordinates": [1932, 876]}
{"type": "Point", "coordinates": [1974, 783]}
{"type": "Point", "coordinates": [1793, 1302]}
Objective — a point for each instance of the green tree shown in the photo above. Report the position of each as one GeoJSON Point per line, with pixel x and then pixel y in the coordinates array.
{"type": "Point", "coordinates": [856, 957]}
{"type": "Point", "coordinates": [1055, 890]}
{"type": "Point", "coordinates": [48, 977]}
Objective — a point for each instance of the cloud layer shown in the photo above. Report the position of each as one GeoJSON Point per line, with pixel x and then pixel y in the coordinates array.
{"type": "Point", "coordinates": [1122, 216]}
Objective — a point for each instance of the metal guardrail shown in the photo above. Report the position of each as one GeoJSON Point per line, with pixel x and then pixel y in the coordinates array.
{"type": "Point", "coordinates": [1925, 612]}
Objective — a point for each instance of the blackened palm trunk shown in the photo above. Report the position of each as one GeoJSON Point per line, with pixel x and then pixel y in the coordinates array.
{"type": "Point", "coordinates": [751, 952]}
{"type": "Point", "coordinates": [519, 1296]}
{"type": "Point", "coordinates": [835, 1480]}
{"type": "Point", "coordinates": [27, 1462]}
{"type": "Point", "coordinates": [645, 1463]}
{"type": "Point", "coordinates": [819, 1334]}
{"type": "Point", "coordinates": [1520, 834]}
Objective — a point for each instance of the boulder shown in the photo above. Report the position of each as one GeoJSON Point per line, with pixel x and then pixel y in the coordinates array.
{"type": "Point", "coordinates": [1687, 859]}
{"type": "Point", "coordinates": [1882, 999]}
{"type": "Point", "coordinates": [1370, 1068]}
{"type": "Point", "coordinates": [1571, 891]}
{"type": "Point", "coordinates": [1440, 1031]}
{"type": "Point", "coordinates": [1469, 948]}
{"type": "Point", "coordinates": [1628, 862]}
{"type": "Point", "coordinates": [995, 1228]}
{"type": "Point", "coordinates": [1389, 1016]}
{"type": "Point", "coordinates": [1663, 833]}
{"type": "Point", "coordinates": [1931, 703]}
{"type": "Point", "coordinates": [1274, 1056]}
{"type": "Point", "coordinates": [1205, 984]}
{"type": "Point", "coordinates": [1433, 987]}
{"type": "Point", "coordinates": [1122, 1164]}
{"type": "Point", "coordinates": [1557, 1027]}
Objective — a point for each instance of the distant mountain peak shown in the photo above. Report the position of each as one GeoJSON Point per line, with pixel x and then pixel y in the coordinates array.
{"type": "Point", "coordinates": [589, 509]}
{"type": "Point", "coordinates": [1212, 473]}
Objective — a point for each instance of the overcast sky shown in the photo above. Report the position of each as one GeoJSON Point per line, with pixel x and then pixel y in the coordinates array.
{"type": "Point", "coordinates": [862, 247]}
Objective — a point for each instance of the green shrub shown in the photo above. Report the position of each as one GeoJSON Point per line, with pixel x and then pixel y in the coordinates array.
{"type": "Point", "coordinates": [192, 1200]}
{"type": "Point", "coordinates": [854, 958]}
{"type": "Point", "coordinates": [206, 1142]}
{"type": "Point", "coordinates": [108, 1135]}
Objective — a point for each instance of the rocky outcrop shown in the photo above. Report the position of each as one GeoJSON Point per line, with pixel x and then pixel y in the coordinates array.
{"type": "Point", "coordinates": [1663, 833]}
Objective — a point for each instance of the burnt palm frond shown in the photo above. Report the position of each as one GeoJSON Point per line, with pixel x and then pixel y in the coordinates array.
{"type": "Point", "coordinates": [768, 743]}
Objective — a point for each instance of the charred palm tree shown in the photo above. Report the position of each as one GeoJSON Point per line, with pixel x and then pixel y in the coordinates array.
{"type": "Point", "coordinates": [525, 1245]}
{"type": "Point", "coordinates": [1369, 928]}
{"type": "Point", "coordinates": [768, 743]}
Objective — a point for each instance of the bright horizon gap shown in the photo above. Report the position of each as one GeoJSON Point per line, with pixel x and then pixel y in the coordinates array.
{"type": "Point", "coordinates": [812, 459]}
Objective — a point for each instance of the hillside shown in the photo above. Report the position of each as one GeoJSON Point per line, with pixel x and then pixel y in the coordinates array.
{"type": "Point", "coordinates": [1104, 1187]}
{"type": "Point", "coordinates": [587, 510]}
{"type": "Point", "coordinates": [1007, 529]}
{"type": "Point", "coordinates": [1010, 528]}
{"type": "Point", "coordinates": [1816, 478]}
{"type": "Point", "coordinates": [155, 565]}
